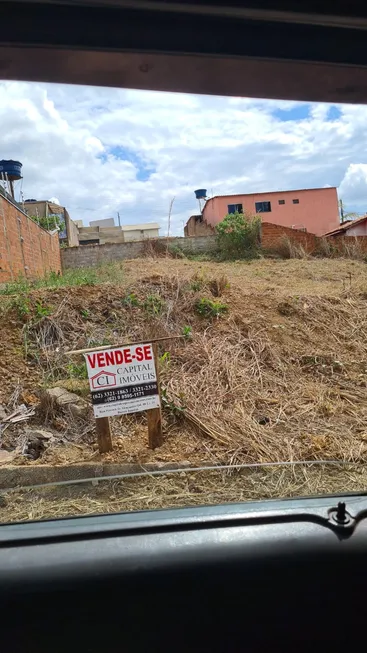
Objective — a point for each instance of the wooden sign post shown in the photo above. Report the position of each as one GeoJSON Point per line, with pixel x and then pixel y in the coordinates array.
{"type": "Point", "coordinates": [154, 416]}
{"type": "Point", "coordinates": [103, 431]}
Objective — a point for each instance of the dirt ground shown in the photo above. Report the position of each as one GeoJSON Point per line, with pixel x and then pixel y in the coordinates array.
{"type": "Point", "coordinates": [279, 373]}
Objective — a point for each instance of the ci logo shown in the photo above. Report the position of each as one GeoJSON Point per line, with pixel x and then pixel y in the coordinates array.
{"type": "Point", "coordinates": [103, 380]}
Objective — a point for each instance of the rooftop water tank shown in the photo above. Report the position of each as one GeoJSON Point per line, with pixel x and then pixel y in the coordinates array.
{"type": "Point", "coordinates": [200, 193]}
{"type": "Point", "coordinates": [11, 169]}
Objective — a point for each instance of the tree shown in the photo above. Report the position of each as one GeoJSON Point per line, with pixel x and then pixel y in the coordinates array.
{"type": "Point", "coordinates": [344, 216]}
{"type": "Point", "coordinates": [238, 235]}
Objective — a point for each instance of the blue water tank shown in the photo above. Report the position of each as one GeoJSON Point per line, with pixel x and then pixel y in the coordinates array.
{"type": "Point", "coordinates": [13, 169]}
{"type": "Point", "coordinates": [200, 193]}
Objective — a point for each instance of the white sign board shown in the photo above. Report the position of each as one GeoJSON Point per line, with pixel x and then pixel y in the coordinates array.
{"type": "Point", "coordinates": [122, 380]}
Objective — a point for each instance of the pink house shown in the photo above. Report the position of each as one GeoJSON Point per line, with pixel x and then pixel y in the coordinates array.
{"type": "Point", "coordinates": [351, 228]}
{"type": "Point", "coordinates": [315, 210]}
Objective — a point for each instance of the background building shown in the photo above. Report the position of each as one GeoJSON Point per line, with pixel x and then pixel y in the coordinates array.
{"type": "Point", "coordinates": [45, 209]}
{"type": "Point", "coordinates": [351, 228]}
{"type": "Point", "coordinates": [101, 235]}
{"type": "Point", "coordinates": [106, 222]}
{"type": "Point", "coordinates": [314, 210]}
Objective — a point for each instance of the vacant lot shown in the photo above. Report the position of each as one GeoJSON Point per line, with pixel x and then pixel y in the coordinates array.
{"type": "Point", "coordinates": [273, 367]}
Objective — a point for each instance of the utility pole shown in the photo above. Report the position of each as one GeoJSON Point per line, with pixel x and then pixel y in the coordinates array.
{"type": "Point", "coordinates": [169, 216]}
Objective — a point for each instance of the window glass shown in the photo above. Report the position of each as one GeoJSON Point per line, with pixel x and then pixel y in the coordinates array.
{"type": "Point", "coordinates": [118, 225]}
{"type": "Point", "coordinates": [262, 207]}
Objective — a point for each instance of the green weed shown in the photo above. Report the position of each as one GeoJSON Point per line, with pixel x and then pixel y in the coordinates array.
{"type": "Point", "coordinates": [76, 277]}
{"type": "Point", "coordinates": [21, 305]}
{"type": "Point", "coordinates": [176, 251]}
{"type": "Point", "coordinates": [77, 370]}
{"type": "Point", "coordinates": [165, 358]}
{"type": "Point", "coordinates": [85, 313]}
{"type": "Point", "coordinates": [42, 310]}
{"type": "Point", "coordinates": [15, 287]}
{"type": "Point", "coordinates": [131, 300]}
{"type": "Point", "coordinates": [187, 331]}
{"type": "Point", "coordinates": [209, 308]}
{"type": "Point", "coordinates": [154, 304]}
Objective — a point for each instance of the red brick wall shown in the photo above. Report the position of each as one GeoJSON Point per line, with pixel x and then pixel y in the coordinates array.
{"type": "Point", "coordinates": [345, 242]}
{"type": "Point", "coordinates": [25, 249]}
{"type": "Point", "coordinates": [272, 235]}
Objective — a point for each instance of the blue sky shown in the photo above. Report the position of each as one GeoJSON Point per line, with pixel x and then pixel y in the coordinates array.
{"type": "Point", "coordinates": [300, 112]}
{"type": "Point", "coordinates": [143, 170]}
{"type": "Point", "coordinates": [103, 151]}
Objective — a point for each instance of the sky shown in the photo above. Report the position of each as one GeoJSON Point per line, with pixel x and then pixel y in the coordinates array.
{"type": "Point", "coordinates": [101, 151]}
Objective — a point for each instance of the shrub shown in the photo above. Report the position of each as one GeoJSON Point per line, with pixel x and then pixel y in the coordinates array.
{"type": "Point", "coordinates": [238, 236]}
{"type": "Point", "coordinates": [175, 251]}
{"type": "Point", "coordinates": [209, 308]}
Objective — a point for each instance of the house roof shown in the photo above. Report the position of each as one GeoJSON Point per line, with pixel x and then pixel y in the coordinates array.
{"type": "Point", "coordinates": [140, 227]}
{"type": "Point", "coordinates": [345, 226]}
{"type": "Point", "coordinates": [271, 192]}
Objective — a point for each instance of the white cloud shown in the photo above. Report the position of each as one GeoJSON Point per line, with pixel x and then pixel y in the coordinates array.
{"type": "Point", "coordinates": [353, 188]}
{"type": "Point", "coordinates": [89, 146]}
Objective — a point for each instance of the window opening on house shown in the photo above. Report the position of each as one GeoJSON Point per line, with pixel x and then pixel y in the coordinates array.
{"type": "Point", "coordinates": [281, 201]}
{"type": "Point", "coordinates": [262, 207]}
{"type": "Point", "coordinates": [295, 201]}
{"type": "Point", "coordinates": [232, 208]}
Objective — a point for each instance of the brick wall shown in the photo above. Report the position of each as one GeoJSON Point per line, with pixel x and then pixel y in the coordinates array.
{"type": "Point", "coordinates": [273, 234]}
{"type": "Point", "coordinates": [92, 255]}
{"type": "Point", "coordinates": [25, 249]}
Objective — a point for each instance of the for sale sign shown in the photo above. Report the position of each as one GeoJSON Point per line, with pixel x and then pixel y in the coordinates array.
{"type": "Point", "coordinates": [123, 380]}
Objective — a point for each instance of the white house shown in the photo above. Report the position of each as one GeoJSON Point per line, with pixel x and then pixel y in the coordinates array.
{"type": "Point", "coordinates": [140, 231]}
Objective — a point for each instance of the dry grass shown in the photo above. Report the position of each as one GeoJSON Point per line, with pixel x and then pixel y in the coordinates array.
{"type": "Point", "coordinates": [316, 277]}
{"type": "Point", "coordinates": [288, 249]}
{"type": "Point", "coordinates": [180, 490]}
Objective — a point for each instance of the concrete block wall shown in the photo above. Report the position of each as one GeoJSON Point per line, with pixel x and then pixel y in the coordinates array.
{"type": "Point", "coordinates": [26, 250]}
{"type": "Point", "coordinates": [93, 255]}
